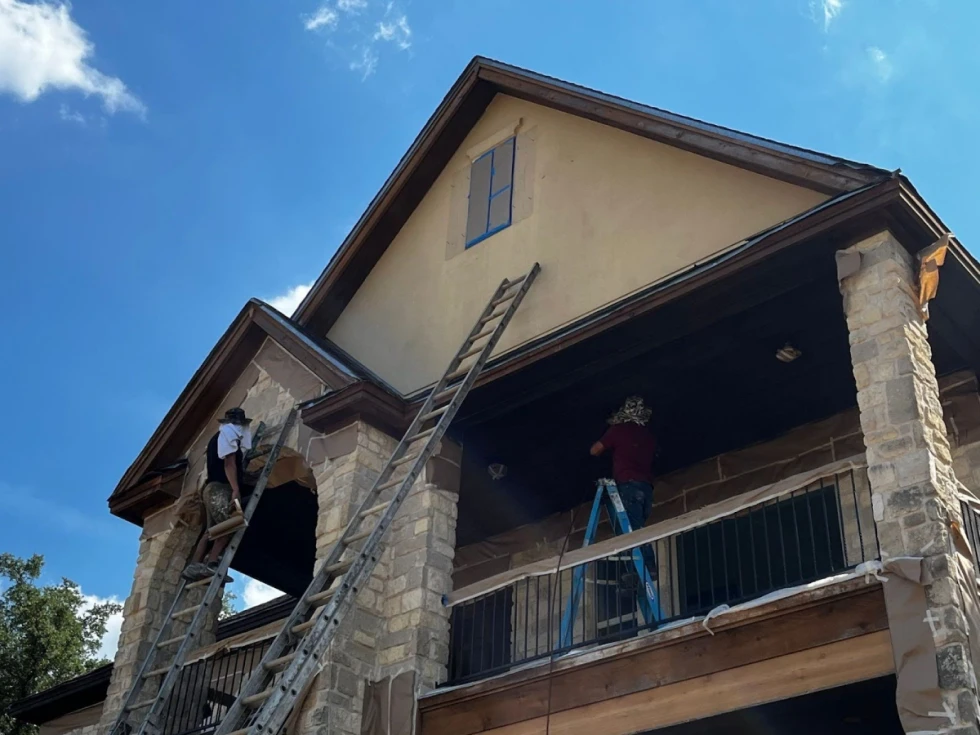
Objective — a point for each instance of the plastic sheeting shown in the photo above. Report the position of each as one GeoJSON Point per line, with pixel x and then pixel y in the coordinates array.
{"type": "Point", "coordinates": [649, 534]}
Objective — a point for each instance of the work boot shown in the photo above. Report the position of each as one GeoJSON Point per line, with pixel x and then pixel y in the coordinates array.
{"type": "Point", "coordinates": [196, 570]}
{"type": "Point", "coordinates": [212, 569]}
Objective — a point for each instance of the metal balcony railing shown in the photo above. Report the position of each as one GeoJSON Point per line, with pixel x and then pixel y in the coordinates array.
{"type": "Point", "coordinates": [206, 689]}
{"type": "Point", "coordinates": [818, 531]}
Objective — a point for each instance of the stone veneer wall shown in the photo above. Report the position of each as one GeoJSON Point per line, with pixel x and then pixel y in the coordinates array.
{"type": "Point", "coordinates": [267, 389]}
{"type": "Point", "coordinates": [909, 457]}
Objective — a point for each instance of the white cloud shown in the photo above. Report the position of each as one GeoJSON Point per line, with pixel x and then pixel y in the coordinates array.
{"type": "Point", "coordinates": [351, 6]}
{"type": "Point", "coordinates": [396, 31]}
{"type": "Point", "coordinates": [257, 593]}
{"type": "Point", "coordinates": [881, 65]}
{"type": "Point", "coordinates": [826, 11]}
{"type": "Point", "coordinates": [359, 28]}
{"type": "Point", "coordinates": [289, 301]}
{"type": "Point", "coordinates": [366, 63]}
{"type": "Point", "coordinates": [324, 17]}
{"type": "Point", "coordinates": [42, 48]}
{"type": "Point", "coordinates": [110, 641]}
{"type": "Point", "coordinates": [69, 115]}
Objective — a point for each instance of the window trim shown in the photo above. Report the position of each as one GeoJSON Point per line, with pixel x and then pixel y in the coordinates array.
{"type": "Point", "coordinates": [493, 194]}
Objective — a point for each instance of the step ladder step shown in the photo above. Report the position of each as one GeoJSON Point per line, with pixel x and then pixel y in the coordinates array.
{"type": "Point", "coordinates": [186, 611]}
{"type": "Point", "coordinates": [358, 536]}
{"type": "Point", "coordinates": [318, 597]}
{"type": "Point", "coordinates": [434, 414]}
{"type": "Point", "coordinates": [277, 664]}
{"type": "Point", "coordinates": [375, 509]}
{"type": "Point", "coordinates": [258, 698]}
{"type": "Point", "coordinates": [171, 641]}
{"type": "Point", "coordinates": [227, 527]}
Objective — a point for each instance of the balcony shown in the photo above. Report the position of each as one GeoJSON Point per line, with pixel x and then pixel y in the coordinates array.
{"type": "Point", "coordinates": [766, 543]}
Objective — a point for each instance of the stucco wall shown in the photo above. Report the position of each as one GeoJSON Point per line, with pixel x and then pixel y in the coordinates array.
{"type": "Point", "coordinates": [604, 212]}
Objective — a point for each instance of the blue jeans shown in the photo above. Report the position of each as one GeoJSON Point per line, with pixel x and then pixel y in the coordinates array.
{"type": "Point", "coordinates": [638, 501]}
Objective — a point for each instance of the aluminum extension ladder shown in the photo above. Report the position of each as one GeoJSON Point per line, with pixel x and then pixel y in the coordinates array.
{"type": "Point", "coordinates": [607, 495]}
{"type": "Point", "coordinates": [265, 702]}
{"type": "Point", "coordinates": [180, 610]}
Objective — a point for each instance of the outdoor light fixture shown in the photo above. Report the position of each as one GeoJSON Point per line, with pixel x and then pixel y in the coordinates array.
{"type": "Point", "coordinates": [787, 353]}
{"type": "Point", "coordinates": [497, 470]}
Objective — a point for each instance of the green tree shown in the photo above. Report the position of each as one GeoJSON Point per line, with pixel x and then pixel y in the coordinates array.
{"type": "Point", "coordinates": [46, 634]}
{"type": "Point", "coordinates": [228, 600]}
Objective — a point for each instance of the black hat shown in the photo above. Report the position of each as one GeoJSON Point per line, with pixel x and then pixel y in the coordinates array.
{"type": "Point", "coordinates": [235, 416]}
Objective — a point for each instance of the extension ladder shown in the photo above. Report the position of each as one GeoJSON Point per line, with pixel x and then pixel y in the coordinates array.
{"type": "Point", "coordinates": [607, 495]}
{"type": "Point", "coordinates": [296, 655]}
{"type": "Point", "coordinates": [181, 611]}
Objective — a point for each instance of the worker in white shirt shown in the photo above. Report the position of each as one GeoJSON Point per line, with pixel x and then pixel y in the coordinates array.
{"type": "Point", "coordinates": [222, 494]}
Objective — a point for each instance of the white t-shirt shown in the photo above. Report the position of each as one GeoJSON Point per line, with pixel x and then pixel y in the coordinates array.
{"type": "Point", "coordinates": [231, 438]}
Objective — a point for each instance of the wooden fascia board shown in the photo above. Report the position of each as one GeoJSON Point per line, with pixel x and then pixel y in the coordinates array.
{"type": "Point", "coordinates": [360, 400]}
{"type": "Point", "coordinates": [710, 143]}
{"type": "Point", "coordinates": [811, 619]}
{"type": "Point", "coordinates": [135, 501]}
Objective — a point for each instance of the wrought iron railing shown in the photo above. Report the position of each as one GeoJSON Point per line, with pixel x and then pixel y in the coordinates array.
{"type": "Point", "coordinates": [820, 530]}
{"type": "Point", "coordinates": [205, 689]}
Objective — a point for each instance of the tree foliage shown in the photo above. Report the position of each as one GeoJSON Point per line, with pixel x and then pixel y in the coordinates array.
{"type": "Point", "coordinates": [47, 634]}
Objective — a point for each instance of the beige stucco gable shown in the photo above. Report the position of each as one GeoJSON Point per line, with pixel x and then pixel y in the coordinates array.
{"type": "Point", "coordinates": [605, 212]}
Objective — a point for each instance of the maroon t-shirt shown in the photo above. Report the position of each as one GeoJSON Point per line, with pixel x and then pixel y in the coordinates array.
{"type": "Point", "coordinates": [633, 449]}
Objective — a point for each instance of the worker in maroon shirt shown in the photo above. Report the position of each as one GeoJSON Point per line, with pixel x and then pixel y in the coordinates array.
{"type": "Point", "coordinates": [633, 449]}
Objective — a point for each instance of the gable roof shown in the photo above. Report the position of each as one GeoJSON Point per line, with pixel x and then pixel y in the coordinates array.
{"type": "Point", "coordinates": [465, 103]}
{"type": "Point", "coordinates": [208, 386]}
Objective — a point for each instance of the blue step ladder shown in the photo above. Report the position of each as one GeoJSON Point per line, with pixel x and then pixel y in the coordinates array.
{"type": "Point", "coordinates": [607, 496]}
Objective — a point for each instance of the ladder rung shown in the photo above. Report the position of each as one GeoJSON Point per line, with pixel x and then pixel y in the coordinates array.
{"type": "Point", "coordinates": [374, 509]}
{"type": "Point", "coordinates": [437, 412]}
{"type": "Point", "coordinates": [481, 335]}
{"type": "Point", "coordinates": [156, 672]}
{"type": "Point", "coordinates": [358, 536]}
{"type": "Point", "coordinates": [422, 435]}
{"type": "Point", "coordinates": [226, 527]}
{"type": "Point", "coordinates": [494, 315]}
{"type": "Point", "coordinates": [243, 731]}
{"type": "Point", "coordinates": [448, 393]}
{"type": "Point", "coordinates": [199, 582]}
{"type": "Point", "coordinates": [170, 641]}
{"type": "Point", "coordinates": [140, 705]}
{"type": "Point", "coordinates": [472, 351]}
{"type": "Point", "coordinates": [460, 372]}
{"type": "Point", "coordinates": [318, 597]}
{"type": "Point", "coordinates": [509, 284]}
{"type": "Point", "coordinates": [186, 610]}
{"type": "Point", "coordinates": [390, 484]}
{"type": "Point", "coordinates": [258, 698]}
{"type": "Point", "coordinates": [407, 459]}
{"type": "Point", "coordinates": [502, 299]}
{"type": "Point", "coordinates": [279, 663]}
{"type": "Point", "coordinates": [303, 627]}
{"type": "Point", "coordinates": [340, 567]}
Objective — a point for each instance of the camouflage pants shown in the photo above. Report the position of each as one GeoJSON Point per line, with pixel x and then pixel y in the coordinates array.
{"type": "Point", "coordinates": [217, 502]}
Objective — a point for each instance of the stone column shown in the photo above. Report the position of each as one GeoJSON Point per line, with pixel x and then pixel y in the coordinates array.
{"type": "Point", "coordinates": [422, 547]}
{"type": "Point", "coordinates": [909, 462]}
{"type": "Point", "coordinates": [164, 548]}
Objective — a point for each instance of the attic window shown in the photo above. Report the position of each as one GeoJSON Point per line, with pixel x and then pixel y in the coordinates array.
{"type": "Point", "coordinates": [491, 192]}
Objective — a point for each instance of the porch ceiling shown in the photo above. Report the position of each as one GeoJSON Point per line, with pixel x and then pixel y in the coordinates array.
{"type": "Point", "coordinates": [706, 363]}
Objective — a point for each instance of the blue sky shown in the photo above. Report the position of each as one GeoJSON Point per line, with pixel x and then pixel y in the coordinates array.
{"type": "Point", "coordinates": [160, 163]}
